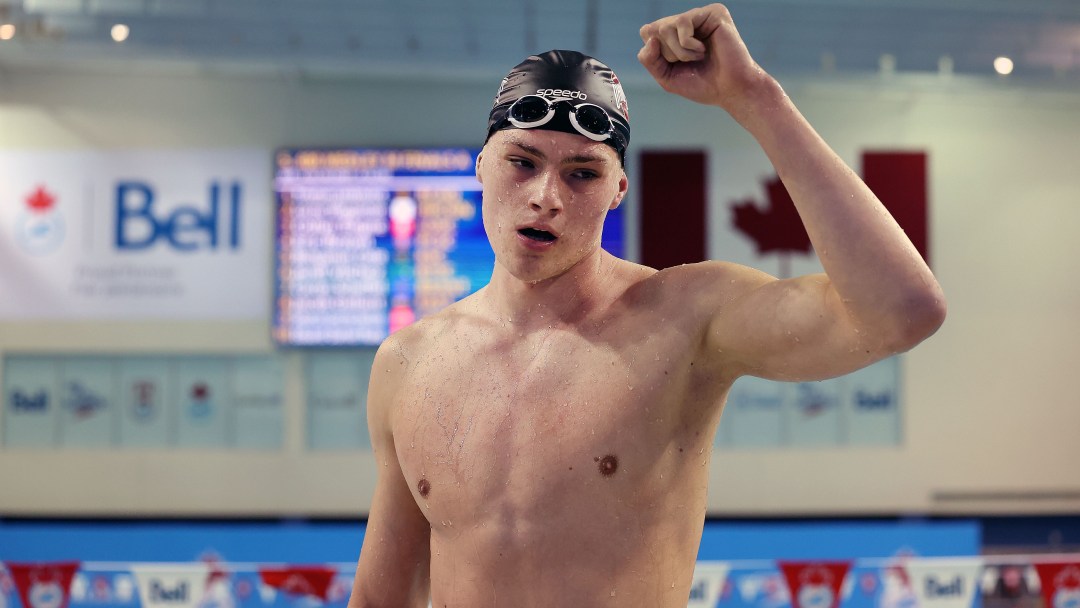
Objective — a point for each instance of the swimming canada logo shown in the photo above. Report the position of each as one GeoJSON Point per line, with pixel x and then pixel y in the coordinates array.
{"type": "Point", "coordinates": [816, 590]}
{"type": "Point", "coordinates": [43, 585]}
{"type": "Point", "coordinates": [312, 581]}
{"type": "Point", "coordinates": [814, 584]}
{"type": "Point", "coordinates": [813, 401]}
{"type": "Point", "coordinates": [82, 401]}
{"type": "Point", "coordinates": [39, 228]}
{"type": "Point", "coordinates": [1063, 588]}
{"type": "Point", "coordinates": [200, 408]}
{"type": "Point", "coordinates": [143, 408]}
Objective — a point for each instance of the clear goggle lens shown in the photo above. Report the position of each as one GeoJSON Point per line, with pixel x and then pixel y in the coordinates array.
{"type": "Point", "coordinates": [531, 111]}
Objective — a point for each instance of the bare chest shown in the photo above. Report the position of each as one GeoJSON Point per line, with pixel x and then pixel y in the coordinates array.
{"type": "Point", "coordinates": [509, 424]}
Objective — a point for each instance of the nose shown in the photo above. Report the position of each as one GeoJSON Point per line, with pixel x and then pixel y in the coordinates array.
{"type": "Point", "coordinates": [544, 196]}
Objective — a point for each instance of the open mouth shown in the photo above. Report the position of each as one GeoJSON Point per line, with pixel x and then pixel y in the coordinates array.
{"type": "Point", "coordinates": [537, 235]}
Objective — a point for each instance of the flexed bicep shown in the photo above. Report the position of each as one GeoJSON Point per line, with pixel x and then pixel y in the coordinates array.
{"type": "Point", "coordinates": [792, 329]}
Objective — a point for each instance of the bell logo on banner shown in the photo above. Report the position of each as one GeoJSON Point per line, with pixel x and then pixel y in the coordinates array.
{"type": "Point", "coordinates": [171, 585]}
{"type": "Point", "coordinates": [45, 585]}
{"type": "Point", "coordinates": [814, 584]}
{"type": "Point", "coordinates": [709, 580]}
{"type": "Point", "coordinates": [1060, 584]}
{"type": "Point", "coordinates": [940, 583]}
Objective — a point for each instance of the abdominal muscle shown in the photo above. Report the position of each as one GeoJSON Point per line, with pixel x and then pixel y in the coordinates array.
{"type": "Point", "coordinates": [559, 468]}
{"type": "Point", "coordinates": [584, 551]}
{"type": "Point", "coordinates": [597, 503]}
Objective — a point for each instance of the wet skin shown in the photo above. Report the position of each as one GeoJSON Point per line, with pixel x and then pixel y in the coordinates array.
{"type": "Point", "coordinates": [546, 441]}
{"type": "Point", "coordinates": [573, 457]}
{"type": "Point", "coordinates": [555, 429]}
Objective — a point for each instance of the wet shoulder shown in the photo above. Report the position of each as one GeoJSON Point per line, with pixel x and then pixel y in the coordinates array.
{"type": "Point", "coordinates": [691, 290]}
{"type": "Point", "coordinates": [433, 332]}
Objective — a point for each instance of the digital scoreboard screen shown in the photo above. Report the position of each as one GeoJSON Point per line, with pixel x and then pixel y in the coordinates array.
{"type": "Point", "coordinates": [369, 240]}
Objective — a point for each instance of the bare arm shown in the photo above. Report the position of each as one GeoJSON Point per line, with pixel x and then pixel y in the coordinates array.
{"type": "Point", "coordinates": [877, 296]}
{"type": "Point", "coordinates": [394, 562]}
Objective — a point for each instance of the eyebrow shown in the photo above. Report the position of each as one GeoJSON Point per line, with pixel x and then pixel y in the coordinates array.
{"type": "Point", "coordinates": [577, 158]}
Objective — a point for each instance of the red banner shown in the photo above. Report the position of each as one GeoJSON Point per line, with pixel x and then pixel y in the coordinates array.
{"type": "Point", "coordinates": [814, 584]}
{"type": "Point", "coordinates": [299, 580]}
{"type": "Point", "coordinates": [43, 585]}
{"type": "Point", "coordinates": [1060, 583]}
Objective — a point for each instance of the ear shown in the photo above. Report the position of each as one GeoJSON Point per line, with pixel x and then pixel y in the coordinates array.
{"type": "Point", "coordinates": [624, 184]}
{"type": "Point", "coordinates": [479, 177]}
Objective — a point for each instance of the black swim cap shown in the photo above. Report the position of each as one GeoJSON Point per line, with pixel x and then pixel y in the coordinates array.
{"type": "Point", "coordinates": [565, 76]}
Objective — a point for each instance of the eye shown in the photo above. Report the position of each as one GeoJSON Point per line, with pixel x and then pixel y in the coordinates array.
{"type": "Point", "coordinates": [522, 163]}
{"type": "Point", "coordinates": [584, 174]}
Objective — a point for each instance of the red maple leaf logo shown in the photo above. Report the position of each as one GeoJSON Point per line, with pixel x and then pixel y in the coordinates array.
{"type": "Point", "coordinates": [1069, 578]}
{"type": "Point", "coordinates": [776, 228]}
{"type": "Point", "coordinates": [816, 575]}
{"type": "Point", "coordinates": [40, 201]}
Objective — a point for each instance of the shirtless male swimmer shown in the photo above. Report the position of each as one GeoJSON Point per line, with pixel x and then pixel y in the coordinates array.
{"type": "Point", "coordinates": [544, 442]}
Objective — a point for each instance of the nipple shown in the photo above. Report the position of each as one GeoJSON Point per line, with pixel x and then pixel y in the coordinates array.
{"type": "Point", "coordinates": [607, 465]}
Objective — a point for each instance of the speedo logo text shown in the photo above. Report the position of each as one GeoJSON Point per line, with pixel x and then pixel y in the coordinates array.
{"type": "Point", "coordinates": [562, 93]}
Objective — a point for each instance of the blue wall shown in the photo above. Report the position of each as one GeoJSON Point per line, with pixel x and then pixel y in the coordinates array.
{"type": "Point", "coordinates": [328, 542]}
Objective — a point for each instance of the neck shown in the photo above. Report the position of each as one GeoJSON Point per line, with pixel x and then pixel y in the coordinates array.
{"type": "Point", "coordinates": [564, 299]}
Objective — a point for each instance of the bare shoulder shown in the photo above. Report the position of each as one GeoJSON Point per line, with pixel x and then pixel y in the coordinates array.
{"type": "Point", "coordinates": [394, 360]}
{"type": "Point", "coordinates": [698, 289]}
{"type": "Point", "coordinates": [412, 343]}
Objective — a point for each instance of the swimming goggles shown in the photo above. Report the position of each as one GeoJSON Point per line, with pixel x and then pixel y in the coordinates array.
{"type": "Point", "coordinates": [531, 111]}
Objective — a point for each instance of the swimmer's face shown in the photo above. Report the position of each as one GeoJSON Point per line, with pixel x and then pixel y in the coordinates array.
{"type": "Point", "coordinates": [546, 194]}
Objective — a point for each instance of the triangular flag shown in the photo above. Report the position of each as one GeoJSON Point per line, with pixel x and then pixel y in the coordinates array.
{"type": "Point", "coordinates": [815, 584]}
{"type": "Point", "coordinates": [944, 583]}
{"type": "Point", "coordinates": [43, 585]}
{"type": "Point", "coordinates": [709, 578]}
{"type": "Point", "coordinates": [299, 580]}
{"type": "Point", "coordinates": [1060, 584]}
{"type": "Point", "coordinates": [180, 585]}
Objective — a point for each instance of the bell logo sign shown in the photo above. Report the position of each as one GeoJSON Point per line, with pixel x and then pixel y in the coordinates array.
{"type": "Point", "coordinates": [140, 223]}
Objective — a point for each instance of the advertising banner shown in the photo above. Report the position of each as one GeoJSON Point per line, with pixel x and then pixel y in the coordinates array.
{"type": "Point", "coordinates": [43, 585]}
{"type": "Point", "coordinates": [141, 234]}
{"type": "Point", "coordinates": [709, 580]}
{"type": "Point", "coordinates": [299, 580]}
{"type": "Point", "coordinates": [815, 584]}
{"type": "Point", "coordinates": [180, 585]}
{"type": "Point", "coordinates": [941, 583]}
{"type": "Point", "coordinates": [1060, 583]}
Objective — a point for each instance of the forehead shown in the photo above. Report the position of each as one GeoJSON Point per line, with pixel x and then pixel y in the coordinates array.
{"type": "Point", "coordinates": [554, 144]}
